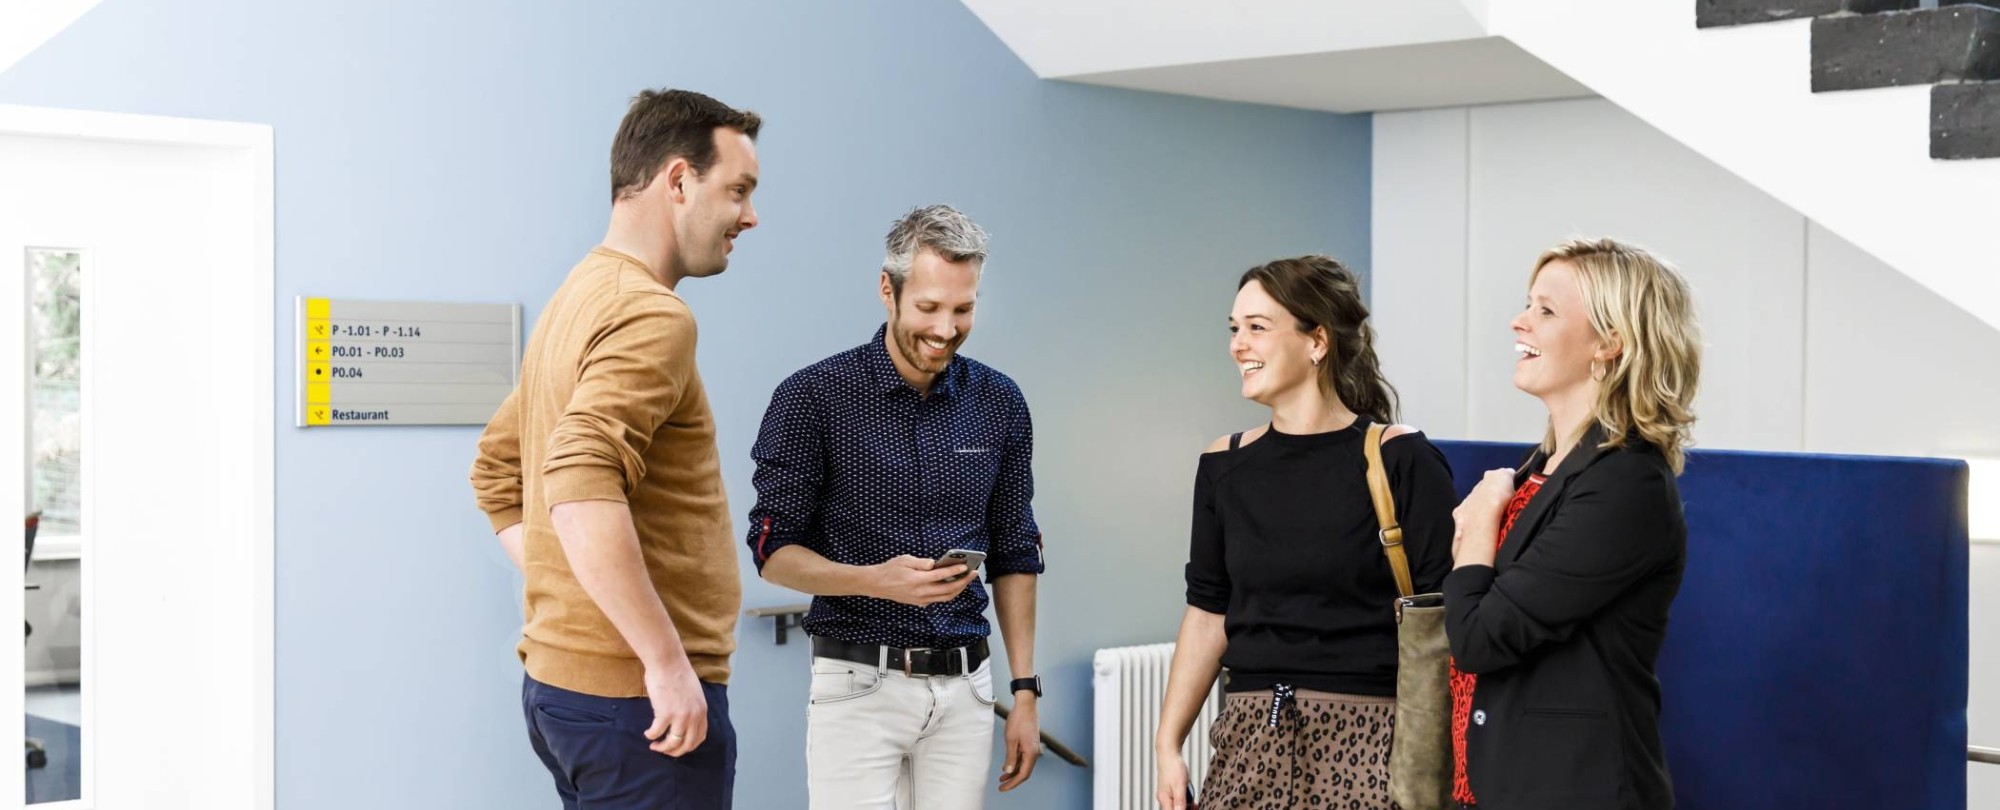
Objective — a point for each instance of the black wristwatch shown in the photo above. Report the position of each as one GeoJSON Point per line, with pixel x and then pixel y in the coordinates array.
{"type": "Point", "coordinates": [1032, 683]}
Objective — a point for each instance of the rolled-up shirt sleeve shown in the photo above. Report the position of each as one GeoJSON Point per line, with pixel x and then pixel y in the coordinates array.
{"type": "Point", "coordinates": [1015, 539]}
{"type": "Point", "coordinates": [790, 453]}
{"type": "Point", "coordinates": [631, 377]}
{"type": "Point", "coordinates": [496, 471]}
{"type": "Point", "coordinates": [1207, 573]}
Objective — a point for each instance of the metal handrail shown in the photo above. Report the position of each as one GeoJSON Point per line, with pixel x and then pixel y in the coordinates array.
{"type": "Point", "coordinates": [1976, 753]}
{"type": "Point", "coordinates": [785, 617]}
{"type": "Point", "coordinates": [779, 611]}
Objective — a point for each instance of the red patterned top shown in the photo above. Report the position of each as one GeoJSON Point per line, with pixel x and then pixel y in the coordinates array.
{"type": "Point", "coordinates": [1462, 682]}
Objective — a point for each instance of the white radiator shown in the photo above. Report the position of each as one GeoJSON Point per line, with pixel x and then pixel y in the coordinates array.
{"type": "Point", "coordinates": [1129, 685]}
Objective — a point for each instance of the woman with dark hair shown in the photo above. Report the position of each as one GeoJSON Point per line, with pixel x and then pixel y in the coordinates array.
{"type": "Point", "coordinates": [1288, 585]}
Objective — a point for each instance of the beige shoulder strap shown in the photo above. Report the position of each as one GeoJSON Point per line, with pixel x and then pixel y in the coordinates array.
{"type": "Point", "coordinates": [1385, 511]}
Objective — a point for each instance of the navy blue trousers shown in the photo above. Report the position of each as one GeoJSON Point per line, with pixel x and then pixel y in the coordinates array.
{"type": "Point", "coordinates": [595, 747]}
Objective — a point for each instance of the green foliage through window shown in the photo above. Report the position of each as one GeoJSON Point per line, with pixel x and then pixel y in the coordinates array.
{"type": "Point", "coordinates": [55, 282]}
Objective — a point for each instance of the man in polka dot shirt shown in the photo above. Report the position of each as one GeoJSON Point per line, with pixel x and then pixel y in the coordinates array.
{"type": "Point", "coordinates": [871, 465]}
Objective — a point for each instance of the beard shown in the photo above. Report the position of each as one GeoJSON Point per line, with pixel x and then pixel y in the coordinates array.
{"type": "Point", "coordinates": [911, 346]}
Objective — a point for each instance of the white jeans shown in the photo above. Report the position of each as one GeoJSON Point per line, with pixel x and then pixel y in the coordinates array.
{"type": "Point", "coordinates": [877, 740]}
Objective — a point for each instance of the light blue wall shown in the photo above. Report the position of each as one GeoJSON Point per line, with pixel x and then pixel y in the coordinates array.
{"type": "Point", "coordinates": [456, 151]}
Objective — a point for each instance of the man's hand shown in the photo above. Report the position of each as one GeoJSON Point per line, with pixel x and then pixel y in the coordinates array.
{"type": "Point", "coordinates": [914, 581]}
{"type": "Point", "coordinates": [1024, 743]}
{"type": "Point", "coordinates": [680, 710]}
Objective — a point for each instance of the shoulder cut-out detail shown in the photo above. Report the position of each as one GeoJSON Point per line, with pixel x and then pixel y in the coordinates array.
{"type": "Point", "coordinates": [1222, 443]}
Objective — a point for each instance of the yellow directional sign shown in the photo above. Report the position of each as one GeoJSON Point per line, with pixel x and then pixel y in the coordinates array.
{"type": "Point", "coordinates": [404, 362]}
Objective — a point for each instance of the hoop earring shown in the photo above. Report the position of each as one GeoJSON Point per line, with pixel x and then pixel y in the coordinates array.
{"type": "Point", "coordinates": [1598, 373]}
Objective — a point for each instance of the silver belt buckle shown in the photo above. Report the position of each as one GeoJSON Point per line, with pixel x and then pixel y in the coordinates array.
{"type": "Point", "coordinates": [906, 659]}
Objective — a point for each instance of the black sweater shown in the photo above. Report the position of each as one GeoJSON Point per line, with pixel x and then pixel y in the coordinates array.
{"type": "Point", "coordinates": [1285, 548]}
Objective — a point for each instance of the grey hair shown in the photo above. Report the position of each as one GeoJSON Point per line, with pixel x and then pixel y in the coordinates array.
{"type": "Point", "coordinates": [940, 229]}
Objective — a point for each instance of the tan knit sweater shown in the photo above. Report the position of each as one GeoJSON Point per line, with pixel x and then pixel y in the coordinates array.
{"type": "Point", "coordinates": [610, 407]}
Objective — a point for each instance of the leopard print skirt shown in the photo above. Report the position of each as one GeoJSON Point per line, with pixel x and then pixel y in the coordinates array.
{"type": "Point", "coordinates": [1316, 750]}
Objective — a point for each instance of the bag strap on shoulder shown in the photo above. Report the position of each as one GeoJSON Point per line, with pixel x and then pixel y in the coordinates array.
{"type": "Point", "coordinates": [1391, 533]}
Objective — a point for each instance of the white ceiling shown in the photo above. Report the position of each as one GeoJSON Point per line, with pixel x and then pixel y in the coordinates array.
{"type": "Point", "coordinates": [1335, 55]}
{"type": "Point", "coordinates": [26, 24]}
{"type": "Point", "coordinates": [1444, 74]}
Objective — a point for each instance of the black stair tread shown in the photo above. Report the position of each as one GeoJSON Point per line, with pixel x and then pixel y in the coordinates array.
{"type": "Point", "coordinates": [1901, 48]}
{"type": "Point", "coordinates": [1714, 13]}
{"type": "Point", "coordinates": [1965, 121]}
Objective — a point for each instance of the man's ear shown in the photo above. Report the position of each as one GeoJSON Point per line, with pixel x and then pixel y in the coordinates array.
{"type": "Point", "coordinates": [677, 174]}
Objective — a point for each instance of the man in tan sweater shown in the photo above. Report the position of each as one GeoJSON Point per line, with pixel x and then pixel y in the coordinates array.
{"type": "Point", "coordinates": [601, 477]}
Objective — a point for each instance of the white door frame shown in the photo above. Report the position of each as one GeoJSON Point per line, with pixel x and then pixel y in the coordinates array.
{"type": "Point", "coordinates": [255, 143]}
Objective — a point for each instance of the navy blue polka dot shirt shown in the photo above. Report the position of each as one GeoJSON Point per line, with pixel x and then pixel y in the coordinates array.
{"type": "Point", "coordinates": [854, 464]}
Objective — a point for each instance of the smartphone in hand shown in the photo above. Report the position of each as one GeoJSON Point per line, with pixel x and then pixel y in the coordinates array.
{"type": "Point", "coordinates": [961, 556]}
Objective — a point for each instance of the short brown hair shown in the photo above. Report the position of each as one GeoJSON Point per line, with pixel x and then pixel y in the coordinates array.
{"type": "Point", "coordinates": [665, 124]}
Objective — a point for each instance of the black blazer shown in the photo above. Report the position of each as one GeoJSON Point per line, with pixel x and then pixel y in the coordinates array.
{"type": "Point", "coordinates": [1564, 631]}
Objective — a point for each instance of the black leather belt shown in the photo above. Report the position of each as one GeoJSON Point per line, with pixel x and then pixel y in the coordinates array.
{"type": "Point", "coordinates": [912, 661]}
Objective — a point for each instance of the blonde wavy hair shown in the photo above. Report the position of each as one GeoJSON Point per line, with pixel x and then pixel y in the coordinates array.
{"type": "Point", "coordinates": [1639, 302]}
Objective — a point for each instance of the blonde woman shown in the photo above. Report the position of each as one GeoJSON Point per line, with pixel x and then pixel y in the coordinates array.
{"type": "Point", "coordinates": [1564, 571]}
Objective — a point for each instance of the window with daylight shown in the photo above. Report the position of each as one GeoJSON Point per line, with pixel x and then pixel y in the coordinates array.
{"type": "Point", "coordinates": [55, 402]}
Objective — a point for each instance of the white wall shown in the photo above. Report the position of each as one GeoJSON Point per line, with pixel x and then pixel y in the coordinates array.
{"type": "Point", "coordinates": [1983, 780]}
{"type": "Point", "coordinates": [1812, 344]}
